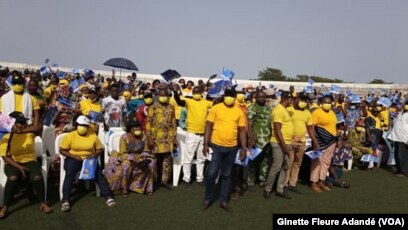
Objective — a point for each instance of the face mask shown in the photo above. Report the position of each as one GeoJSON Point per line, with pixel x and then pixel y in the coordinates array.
{"type": "Point", "coordinates": [352, 107]}
{"type": "Point", "coordinates": [241, 98]}
{"type": "Point", "coordinates": [197, 96]}
{"type": "Point", "coordinates": [82, 130]}
{"type": "Point", "coordinates": [302, 104]}
{"type": "Point", "coordinates": [327, 106]}
{"type": "Point", "coordinates": [85, 95]}
{"type": "Point", "coordinates": [359, 129]}
{"type": "Point", "coordinates": [229, 100]}
{"type": "Point", "coordinates": [17, 88]}
{"type": "Point", "coordinates": [148, 100]}
{"type": "Point", "coordinates": [138, 132]}
{"type": "Point", "coordinates": [406, 107]}
{"type": "Point", "coordinates": [93, 100]}
{"type": "Point", "coordinates": [163, 99]}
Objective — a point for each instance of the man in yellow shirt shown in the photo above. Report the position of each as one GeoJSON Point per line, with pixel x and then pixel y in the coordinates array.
{"type": "Point", "coordinates": [225, 125]}
{"type": "Point", "coordinates": [281, 141]}
{"type": "Point", "coordinates": [18, 152]}
{"type": "Point", "coordinates": [302, 123]}
{"type": "Point", "coordinates": [18, 99]}
{"type": "Point", "coordinates": [197, 110]}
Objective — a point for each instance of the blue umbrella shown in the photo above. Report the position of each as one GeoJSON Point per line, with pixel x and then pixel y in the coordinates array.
{"type": "Point", "coordinates": [121, 63]}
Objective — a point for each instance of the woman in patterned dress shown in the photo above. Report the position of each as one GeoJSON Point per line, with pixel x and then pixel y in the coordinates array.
{"type": "Point", "coordinates": [132, 168]}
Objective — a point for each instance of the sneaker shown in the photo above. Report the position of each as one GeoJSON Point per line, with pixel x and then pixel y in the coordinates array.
{"type": "Point", "coordinates": [111, 203]}
{"type": "Point", "coordinates": [65, 207]}
{"type": "Point", "coordinates": [45, 208]}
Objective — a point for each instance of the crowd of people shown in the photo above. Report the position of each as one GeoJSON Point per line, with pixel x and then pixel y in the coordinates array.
{"type": "Point", "coordinates": [239, 137]}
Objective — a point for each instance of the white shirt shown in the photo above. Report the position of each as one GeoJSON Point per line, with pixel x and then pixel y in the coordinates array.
{"type": "Point", "coordinates": [399, 130]}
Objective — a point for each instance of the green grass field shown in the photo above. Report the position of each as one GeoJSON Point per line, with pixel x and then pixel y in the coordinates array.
{"type": "Point", "coordinates": [370, 192]}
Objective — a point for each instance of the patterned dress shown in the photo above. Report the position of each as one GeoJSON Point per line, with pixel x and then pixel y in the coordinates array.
{"type": "Point", "coordinates": [131, 168]}
{"type": "Point", "coordinates": [261, 129]}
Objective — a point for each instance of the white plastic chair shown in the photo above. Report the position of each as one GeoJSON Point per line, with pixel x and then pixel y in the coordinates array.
{"type": "Point", "coordinates": [58, 141]}
{"type": "Point", "coordinates": [45, 161]}
{"type": "Point", "coordinates": [106, 137]}
{"type": "Point", "coordinates": [48, 138]}
{"type": "Point", "coordinates": [114, 142]}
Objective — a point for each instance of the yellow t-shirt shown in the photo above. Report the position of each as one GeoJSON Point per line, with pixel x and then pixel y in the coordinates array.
{"type": "Point", "coordinates": [187, 91]}
{"type": "Point", "coordinates": [18, 103]}
{"type": "Point", "coordinates": [281, 115]}
{"type": "Point", "coordinates": [301, 119]}
{"type": "Point", "coordinates": [196, 115]}
{"type": "Point", "coordinates": [384, 117]}
{"type": "Point", "coordinates": [81, 146]}
{"type": "Point", "coordinates": [326, 120]}
{"type": "Point", "coordinates": [176, 106]}
{"type": "Point", "coordinates": [226, 122]}
{"type": "Point", "coordinates": [22, 147]}
{"type": "Point", "coordinates": [48, 91]}
{"type": "Point", "coordinates": [87, 105]}
{"type": "Point", "coordinates": [377, 121]}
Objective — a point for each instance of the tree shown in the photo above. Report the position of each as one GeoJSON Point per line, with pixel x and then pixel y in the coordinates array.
{"type": "Point", "coordinates": [271, 74]}
{"type": "Point", "coordinates": [378, 81]}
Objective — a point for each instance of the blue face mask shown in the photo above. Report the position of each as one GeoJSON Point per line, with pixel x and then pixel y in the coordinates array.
{"type": "Point", "coordinates": [352, 107]}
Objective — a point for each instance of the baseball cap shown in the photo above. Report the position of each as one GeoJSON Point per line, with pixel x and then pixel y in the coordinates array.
{"type": "Point", "coordinates": [17, 79]}
{"type": "Point", "coordinates": [286, 95]}
{"type": "Point", "coordinates": [82, 120]}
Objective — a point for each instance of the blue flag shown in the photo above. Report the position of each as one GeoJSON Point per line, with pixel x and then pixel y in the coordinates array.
{"type": "Point", "coordinates": [74, 84]}
{"type": "Point", "coordinates": [308, 89]}
{"type": "Point", "coordinates": [217, 88]}
{"type": "Point", "coordinates": [44, 70]}
{"type": "Point", "coordinates": [310, 81]}
{"type": "Point", "coordinates": [335, 89]}
{"type": "Point", "coordinates": [55, 65]}
{"type": "Point", "coordinates": [61, 74]}
{"type": "Point", "coordinates": [47, 60]}
{"type": "Point", "coordinates": [227, 74]}
{"type": "Point", "coordinates": [355, 98]}
{"type": "Point", "coordinates": [89, 72]}
{"type": "Point", "coordinates": [170, 74]}
{"type": "Point", "coordinates": [88, 169]}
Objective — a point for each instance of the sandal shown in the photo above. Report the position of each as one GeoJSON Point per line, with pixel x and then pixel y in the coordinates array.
{"type": "Point", "coordinates": [111, 202]}
{"type": "Point", "coordinates": [65, 207]}
{"type": "Point", "coordinates": [3, 213]}
{"type": "Point", "coordinates": [45, 208]}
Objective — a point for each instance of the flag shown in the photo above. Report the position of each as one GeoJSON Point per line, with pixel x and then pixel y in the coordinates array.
{"type": "Point", "coordinates": [89, 72]}
{"type": "Point", "coordinates": [61, 74]}
{"type": "Point", "coordinates": [227, 74]}
{"type": "Point", "coordinates": [217, 88]}
{"type": "Point", "coordinates": [74, 85]}
{"type": "Point", "coordinates": [94, 116]}
{"type": "Point", "coordinates": [75, 71]}
{"type": "Point", "coordinates": [385, 101]}
{"type": "Point", "coordinates": [44, 70]}
{"type": "Point", "coordinates": [308, 89]}
{"type": "Point", "coordinates": [340, 117]}
{"type": "Point", "coordinates": [355, 98]}
{"type": "Point", "coordinates": [66, 102]}
{"type": "Point", "coordinates": [335, 89]}
{"type": "Point", "coordinates": [313, 154]}
{"type": "Point", "coordinates": [310, 81]}
{"type": "Point", "coordinates": [54, 65]}
{"type": "Point", "coordinates": [349, 92]}
{"type": "Point", "coordinates": [170, 74]}
{"type": "Point", "coordinates": [8, 80]}
{"type": "Point", "coordinates": [88, 169]}
{"type": "Point", "coordinates": [47, 60]}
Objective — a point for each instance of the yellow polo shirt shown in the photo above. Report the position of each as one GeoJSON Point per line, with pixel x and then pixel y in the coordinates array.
{"type": "Point", "coordinates": [281, 115]}
{"type": "Point", "coordinates": [326, 120]}
{"type": "Point", "coordinates": [196, 115]}
{"type": "Point", "coordinates": [226, 122]}
{"type": "Point", "coordinates": [81, 146]}
{"type": "Point", "coordinates": [87, 105]}
{"type": "Point", "coordinates": [301, 119]}
{"type": "Point", "coordinates": [22, 147]}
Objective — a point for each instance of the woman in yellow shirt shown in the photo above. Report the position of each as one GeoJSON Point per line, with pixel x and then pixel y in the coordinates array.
{"type": "Point", "coordinates": [77, 146]}
{"type": "Point", "coordinates": [18, 151]}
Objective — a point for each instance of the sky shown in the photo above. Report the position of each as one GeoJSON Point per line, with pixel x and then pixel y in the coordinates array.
{"type": "Point", "coordinates": [353, 40]}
